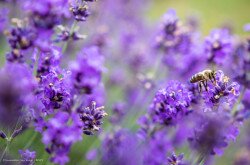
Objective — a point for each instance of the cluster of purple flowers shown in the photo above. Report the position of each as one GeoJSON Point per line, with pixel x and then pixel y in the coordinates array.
{"type": "Point", "coordinates": [39, 90]}
{"type": "Point", "coordinates": [59, 135]}
{"type": "Point", "coordinates": [170, 103]}
{"type": "Point", "coordinates": [56, 80]}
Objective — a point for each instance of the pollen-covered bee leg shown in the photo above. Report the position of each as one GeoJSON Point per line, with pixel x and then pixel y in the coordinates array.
{"type": "Point", "coordinates": [199, 87]}
{"type": "Point", "coordinates": [214, 80]}
{"type": "Point", "coordinates": [211, 78]}
{"type": "Point", "coordinates": [205, 84]}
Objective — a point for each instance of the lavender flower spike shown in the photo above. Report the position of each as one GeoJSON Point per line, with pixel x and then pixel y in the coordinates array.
{"type": "Point", "coordinates": [91, 118]}
{"type": "Point", "coordinates": [27, 157]}
{"type": "Point", "coordinates": [218, 45]}
{"type": "Point", "coordinates": [176, 160]}
{"type": "Point", "coordinates": [170, 103]}
{"type": "Point", "coordinates": [87, 70]}
{"type": "Point", "coordinates": [80, 10]}
{"type": "Point", "coordinates": [60, 135]}
{"type": "Point", "coordinates": [3, 135]}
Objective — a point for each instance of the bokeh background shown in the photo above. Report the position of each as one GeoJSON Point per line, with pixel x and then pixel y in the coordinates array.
{"type": "Point", "coordinates": [211, 14]}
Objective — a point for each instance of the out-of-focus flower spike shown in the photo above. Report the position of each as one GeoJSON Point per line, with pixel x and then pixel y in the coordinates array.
{"type": "Point", "coordinates": [87, 70]}
{"type": "Point", "coordinates": [64, 34]}
{"type": "Point", "coordinates": [176, 160]}
{"type": "Point", "coordinates": [218, 45]}
{"type": "Point", "coordinates": [80, 10]}
{"type": "Point", "coordinates": [16, 132]}
{"type": "Point", "coordinates": [3, 135]}
{"type": "Point", "coordinates": [45, 14]}
{"type": "Point", "coordinates": [247, 27]}
{"type": "Point", "coordinates": [20, 36]}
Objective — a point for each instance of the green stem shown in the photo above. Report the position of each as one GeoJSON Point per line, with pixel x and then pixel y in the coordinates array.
{"type": "Point", "coordinates": [9, 140]}
{"type": "Point", "coordinates": [45, 157]}
{"type": "Point", "coordinates": [71, 31]}
{"type": "Point", "coordinates": [5, 150]}
{"type": "Point", "coordinates": [82, 160]}
{"type": "Point", "coordinates": [200, 160]}
{"type": "Point", "coordinates": [36, 63]}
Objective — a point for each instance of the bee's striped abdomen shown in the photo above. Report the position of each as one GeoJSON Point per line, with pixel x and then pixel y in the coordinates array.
{"type": "Point", "coordinates": [196, 78]}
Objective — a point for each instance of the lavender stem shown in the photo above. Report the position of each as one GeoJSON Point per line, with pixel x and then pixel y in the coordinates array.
{"type": "Point", "coordinates": [71, 31]}
{"type": "Point", "coordinates": [5, 150]}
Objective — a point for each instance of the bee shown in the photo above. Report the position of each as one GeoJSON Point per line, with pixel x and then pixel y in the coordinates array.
{"type": "Point", "coordinates": [202, 77]}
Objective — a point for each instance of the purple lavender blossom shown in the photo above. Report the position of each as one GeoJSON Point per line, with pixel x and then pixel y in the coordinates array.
{"type": "Point", "coordinates": [39, 122]}
{"type": "Point", "coordinates": [48, 61]}
{"type": "Point", "coordinates": [80, 10]}
{"type": "Point", "coordinates": [27, 157]}
{"type": "Point", "coordinates": [173, 35]}
{"type": "Point", "coordinates": [218, 45]}
{"type": "Point", "coordinates": [91, 118]}
{"type": "Point", "coordinates": [45, 14]}
{"type": "Point", "coordinates": [176, 160]}
{"type": "Point", "coordinates": [241, 64]}
{"type": "Point", "coordinates": [169, 27]}
{"type": "Point", "coordinates": [87, 70]}
{"type": "Point", "coordinates": [170, 21]}
{"type": "Point", "coordinates": [223, 92]}
{"type": "Point", "coordinates": [59, 136]}
{"type": "Point", "coordinates": [170, 103]}
{"type": "Point", "coordinates": [118, 111]}
{"type": "Point", "coordinates": [15, 56]}
{"type": "Point", "coordinates": [54, 92]}
{"type": "Point", "coordinates": [64, 34]}
{"type": "Point", "coordinates": [21, 36]}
